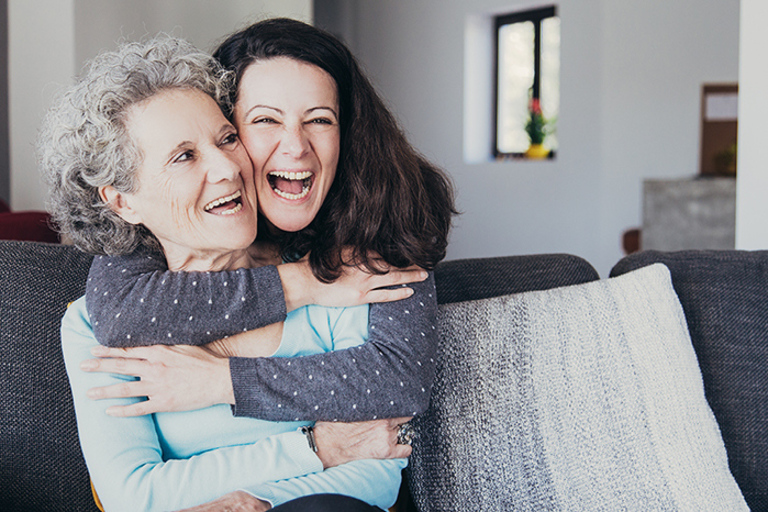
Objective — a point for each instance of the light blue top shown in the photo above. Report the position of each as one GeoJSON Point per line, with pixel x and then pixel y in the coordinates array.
{"type": "Point", "coordinates": [169, 461]}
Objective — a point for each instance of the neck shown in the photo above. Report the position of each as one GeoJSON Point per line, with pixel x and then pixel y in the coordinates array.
{"type": "Point", "coordinates": [231, 260]}
{"type": "Point", "coordinates": [257, 255]}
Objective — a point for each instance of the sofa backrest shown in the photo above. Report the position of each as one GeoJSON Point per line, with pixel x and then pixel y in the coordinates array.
{"type": "Point", "coordinates": [41, 466]}
{"type": "Point", "coordinates": [724, 295]}
{"type": "Point", "coordinates": [481, 278]}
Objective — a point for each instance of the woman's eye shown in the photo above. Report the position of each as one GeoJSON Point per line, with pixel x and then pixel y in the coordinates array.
{"type": "Point", "coordinates": [230, 139]}
{"type": "Point", "coordinates": [321, 120]}
{"type": "Point", "coordinates": [187, 155]}
{"type": "Point", "coordinates": [263, 120]}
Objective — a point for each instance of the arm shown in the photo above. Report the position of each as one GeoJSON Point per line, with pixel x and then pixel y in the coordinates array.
{"type": "Point", "coordinates": [124, 455]}
{"type": "Point", "coordinates": [135, 300]}
{"type": "Point", "coordinates": [390, 375]}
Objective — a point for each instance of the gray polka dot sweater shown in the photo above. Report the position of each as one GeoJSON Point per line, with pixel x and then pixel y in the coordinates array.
{"type": "Point", "coordinates": [135, 300]}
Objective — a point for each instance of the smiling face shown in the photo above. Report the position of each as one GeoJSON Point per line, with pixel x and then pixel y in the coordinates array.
{"type": "Point", "coordinates": [287, 115]}
{"type": "Point", "coordinates": [196, 192]}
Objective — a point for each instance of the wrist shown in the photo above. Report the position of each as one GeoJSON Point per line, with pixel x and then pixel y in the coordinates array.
{"type": "Point", "coordinates": [329, 453]}
{"type": "Point", "coordinates": [298, 282]}
{"type": "Point", "coordinates": [227, 388]}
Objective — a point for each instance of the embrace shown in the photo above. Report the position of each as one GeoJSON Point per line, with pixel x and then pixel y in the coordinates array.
{"type": "Point", "coordinates": [260, 303]}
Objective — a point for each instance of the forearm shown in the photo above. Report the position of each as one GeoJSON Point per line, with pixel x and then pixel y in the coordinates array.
{"type": "Point", "coordinates": [127, 464]}
{"type": "Point", "coordinates": [389, 376]}
{"type": "Point", "coordinates": [135, 301]}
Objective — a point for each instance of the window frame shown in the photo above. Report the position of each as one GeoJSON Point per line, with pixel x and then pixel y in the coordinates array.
{"type": "Point", "coordinates": [536, 16]}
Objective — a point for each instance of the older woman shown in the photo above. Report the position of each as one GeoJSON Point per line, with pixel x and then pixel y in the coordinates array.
{"type": "Point", "coordinates": [333, 171]}
{"type": "Point", "coordinates": [178, 180]}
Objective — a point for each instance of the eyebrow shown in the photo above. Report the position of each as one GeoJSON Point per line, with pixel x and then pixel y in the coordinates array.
{"type": "Point", "coordinates": [248, 112]}
{"type": "Point", "coordinates": [181, 145]}
{"type": "Point", "coordinates": [188, 143]}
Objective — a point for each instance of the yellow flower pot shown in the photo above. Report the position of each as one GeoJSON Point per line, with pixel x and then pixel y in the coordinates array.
{"type": "Point", "coordinates": [536, 152]}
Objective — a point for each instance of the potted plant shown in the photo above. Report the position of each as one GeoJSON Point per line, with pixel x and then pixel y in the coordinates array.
{"type": "Point", "coordinates": [536, 128]}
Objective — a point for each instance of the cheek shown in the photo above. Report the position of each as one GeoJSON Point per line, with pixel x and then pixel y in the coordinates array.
{"type": "Point", "coordinates": [181, 213]}
{"type": "Point", "coordinates": [257, 148]}
{"type": "Point", "coordinates": [330, 157]}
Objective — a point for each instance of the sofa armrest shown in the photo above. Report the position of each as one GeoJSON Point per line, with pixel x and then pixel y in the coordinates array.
{"type": "Point", "coordinates": [41, 466]}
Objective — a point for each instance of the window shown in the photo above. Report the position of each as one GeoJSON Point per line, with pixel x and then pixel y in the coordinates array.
{"type": "Point", "coordinates": [527, 68]}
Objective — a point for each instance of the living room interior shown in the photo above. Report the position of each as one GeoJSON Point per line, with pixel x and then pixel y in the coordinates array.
{"type": "Point", "coordinates": [632, 80]}
{"type": "Point", "coordinates": [631, 84]}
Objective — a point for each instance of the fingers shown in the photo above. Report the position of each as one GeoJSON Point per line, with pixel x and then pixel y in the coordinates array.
{"type": "Point", "coordinates": [388, 295]}
{"type": "Point", "coordinates": [117, 365]}
{"type": "Point", "coordinates": [128, 353]}
{"type": "Point", "coordinates": [405, 276]}
{"type": "Point", "coordinates": [123, 390]}
{"type": "Point", "coordinates": [402, 451]}
{"type": "Point", "coordinates": [134, 389]}
{"type": "Point", "coordinates": [137, 409]}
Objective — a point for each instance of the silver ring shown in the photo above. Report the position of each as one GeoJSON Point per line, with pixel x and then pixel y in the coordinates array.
{"type": "Point", "coordinates": [405, 434]}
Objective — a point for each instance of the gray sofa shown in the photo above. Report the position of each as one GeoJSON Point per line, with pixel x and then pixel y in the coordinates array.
{"type": "Point", "coordinates": [475, 431]}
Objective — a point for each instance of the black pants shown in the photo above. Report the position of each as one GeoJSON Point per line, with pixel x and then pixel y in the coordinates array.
{"type": "Point", "coordinates": [326, 503]}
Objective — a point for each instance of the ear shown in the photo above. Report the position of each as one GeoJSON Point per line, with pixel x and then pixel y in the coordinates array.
{"type": "Point", "coordinates": [118, 203]}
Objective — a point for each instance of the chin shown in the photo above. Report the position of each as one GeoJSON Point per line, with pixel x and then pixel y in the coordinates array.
{"type": "Point", "coordinates": [286, 217]}
{"type": "Point", "coordinates": [291, 226]}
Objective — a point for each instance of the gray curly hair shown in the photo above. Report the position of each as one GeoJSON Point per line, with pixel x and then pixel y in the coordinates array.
{"type": "Point", "coordinates": [84, 143]}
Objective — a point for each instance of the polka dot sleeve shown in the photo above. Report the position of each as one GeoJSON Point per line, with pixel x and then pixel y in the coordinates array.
{"type": "Point", "coordinates": [135, 300]}
{"type": "Point", "coordinates": [388, 376]}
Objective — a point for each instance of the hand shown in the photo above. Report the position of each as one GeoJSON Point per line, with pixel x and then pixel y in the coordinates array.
{"type": "Point", "coordinates": [339, 443]}
{"type": "Point", "coordinates": [173, 378]}
{"type": "Point", "coordinates": [354, 286]}
{"type": "Point", "coordinates": [237, 501]}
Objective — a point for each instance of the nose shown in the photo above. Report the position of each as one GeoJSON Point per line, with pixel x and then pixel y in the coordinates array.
{"type": "Point", "coordinates": [222, 166]}
{"type": "Point", "coordinates": [295, 142]}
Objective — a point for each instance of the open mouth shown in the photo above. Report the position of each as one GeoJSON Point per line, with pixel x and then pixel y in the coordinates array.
{"type": "Point", "coordinates": [228, 205]}
{"type": "Point", "coordinates": [291, 185]}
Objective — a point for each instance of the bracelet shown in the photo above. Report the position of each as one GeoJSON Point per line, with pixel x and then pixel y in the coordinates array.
{"type": "Point", "coordinates": [310, 433]}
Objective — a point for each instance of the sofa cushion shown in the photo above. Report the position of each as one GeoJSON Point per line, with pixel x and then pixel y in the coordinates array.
{"type": "Point", "coordinates": [41, 466]}
{"type": "Point", "coordinates": [725, 298]}
{"type": "Point", "coordinates": [580, 398]}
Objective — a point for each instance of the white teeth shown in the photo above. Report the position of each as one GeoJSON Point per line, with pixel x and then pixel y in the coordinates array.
{"type": "Point", "coordinates": [291, 175]}
{"type": "Point", "coordinates": [234, 210]}
{"type": "Point", "coordinates": [217, 202]}
{"type": "Point", "coordinates": [293, 197]}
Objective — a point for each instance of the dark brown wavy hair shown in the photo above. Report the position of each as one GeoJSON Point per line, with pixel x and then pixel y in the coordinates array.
{"type": "Point", "coordinates": [386, 197]}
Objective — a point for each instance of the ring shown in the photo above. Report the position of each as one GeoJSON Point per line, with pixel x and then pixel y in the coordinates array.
{"type": "Point", "coordinates": [405, 434]}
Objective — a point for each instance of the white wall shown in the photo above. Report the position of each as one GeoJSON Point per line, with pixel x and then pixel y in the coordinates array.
{"type": "Point", "coordinates": [50, 40]}
{"type": "Point", "coordinates": [41, 54]}
{"type": "Point", "coordinates": [656, 56]}
{"type": "Point", "coordinates": [631, 73]}
{"type": "Point", "coordinates": [752, 183]}
{"type": "Point", "coordinates": [103, 23]}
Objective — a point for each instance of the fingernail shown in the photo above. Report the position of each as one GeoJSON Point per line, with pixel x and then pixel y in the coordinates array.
{"type": "Point", "coordinates": [88, 364]}
{"type": "Point", "coordinates": [423, 274]}
{"type": "Point", "coordinates": [408, 292]}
